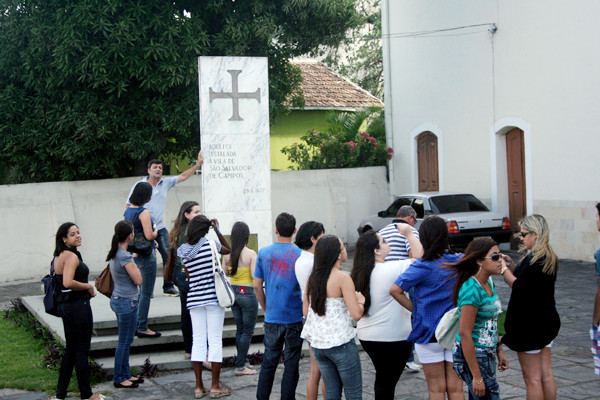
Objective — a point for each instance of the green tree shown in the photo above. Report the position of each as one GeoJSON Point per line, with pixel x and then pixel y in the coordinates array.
{"type": "Point", "coordinates": [94, 88]}
{"type": "Point", "coordinates": [359, 56]}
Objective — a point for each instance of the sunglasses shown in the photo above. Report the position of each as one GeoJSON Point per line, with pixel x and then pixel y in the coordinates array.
{"type": "Point", "coordinates": [523, 234]}
{"type": "Point", "coordinates": [495, 257]}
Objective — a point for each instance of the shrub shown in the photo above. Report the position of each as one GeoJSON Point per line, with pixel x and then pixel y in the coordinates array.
{"type": "Point", "coordinates": [320, 150]}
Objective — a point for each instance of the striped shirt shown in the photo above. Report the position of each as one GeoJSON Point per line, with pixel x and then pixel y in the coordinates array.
{"type": "Point", "coordinates": [399, 246]}
{"type": "Point", "coordinates": [198, 260]}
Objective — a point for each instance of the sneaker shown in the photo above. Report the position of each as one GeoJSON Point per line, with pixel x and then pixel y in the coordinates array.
{"type": "Point", "coordinates": [413, 366]}
{"type": "Point", "coordinates": [172, 291]}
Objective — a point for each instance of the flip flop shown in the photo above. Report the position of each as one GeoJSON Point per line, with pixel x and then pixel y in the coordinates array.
{"type": "Point", "coordinates": [199, 395]}
{"type": "Point", "coordinates": [219, 394]}
{"type": "Point", "coordinates": [245, 371]}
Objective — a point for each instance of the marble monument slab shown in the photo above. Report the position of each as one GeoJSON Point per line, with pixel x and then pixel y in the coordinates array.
{"type": "Point", "coordinates": [234, 136]}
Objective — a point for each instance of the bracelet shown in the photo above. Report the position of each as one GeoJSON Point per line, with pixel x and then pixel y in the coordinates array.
{"type": "Point", "coordinates": [479, 382]}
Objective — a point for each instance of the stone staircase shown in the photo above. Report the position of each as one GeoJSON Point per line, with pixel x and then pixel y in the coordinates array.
{"type": "Point", "coordinates": [166, 352]}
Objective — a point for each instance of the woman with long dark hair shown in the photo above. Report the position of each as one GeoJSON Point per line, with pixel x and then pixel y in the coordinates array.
{"type": "Point", "coordinates": [384, 328]}
{"type": "Point", "coordinates": [75, 311]}
{"type": "Point", "coordinates": [433, 285]}
{"type": "Point", "coordinates": [532, 321]}
{"type": "Point", "coordinates": [478, 305]}
{"type": "Point", "coordinates": [207, 316]}
{"type": "Point", "coordinates": [178, 236]}
{"type": "Point", "coordinates": [124, 301]}
{"type": "Point", "coordinates": [240, 266]}
{"type": "Point", "coordinates": [330, 305]}
{"type": "Point", "coordinates": [142, 222]}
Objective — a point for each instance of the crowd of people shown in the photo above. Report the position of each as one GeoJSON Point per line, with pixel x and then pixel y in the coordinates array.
{"type": "Point", "coordinates": [401, 284]}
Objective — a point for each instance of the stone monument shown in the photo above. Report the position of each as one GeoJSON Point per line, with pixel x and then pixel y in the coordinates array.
{"type": "Point", "coordinates": [234, 137]}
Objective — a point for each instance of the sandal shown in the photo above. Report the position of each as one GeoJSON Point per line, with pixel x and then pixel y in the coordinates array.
{"type": "Point", "coordinates": [222, 393]}
{"type": "Point", "coordinates": [200, 394]}
{"type": "Point", "coordinates": [245, 371]}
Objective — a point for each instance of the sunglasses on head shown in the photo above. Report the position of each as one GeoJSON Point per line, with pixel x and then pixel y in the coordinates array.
{"type": "Point", "coordinates": [495, 257]}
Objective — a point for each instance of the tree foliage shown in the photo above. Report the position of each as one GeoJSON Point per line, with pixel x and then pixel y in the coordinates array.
{"type": "Point", "coordinates": [359, 56]}
{"type": "Point", "coordinates": [94, 88]}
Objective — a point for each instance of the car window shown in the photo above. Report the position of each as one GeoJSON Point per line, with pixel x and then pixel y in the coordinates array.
{"type": "Point", "coordinates": [418, 206]}
{"type": "Point", "coordinates": [456, 203]}
{"type": "Point", "coordinates": [393, 209]}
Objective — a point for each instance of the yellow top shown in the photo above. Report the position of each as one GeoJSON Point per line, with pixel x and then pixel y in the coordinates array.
{"type": "Point", "coordinates": [242, 276]}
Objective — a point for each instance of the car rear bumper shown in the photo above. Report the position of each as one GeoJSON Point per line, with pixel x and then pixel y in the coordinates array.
{"type": "Point", "coordinates": [462, 239]}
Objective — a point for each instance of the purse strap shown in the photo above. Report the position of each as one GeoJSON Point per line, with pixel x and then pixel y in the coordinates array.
{"type": "Point", "coordinates": [215, 258]}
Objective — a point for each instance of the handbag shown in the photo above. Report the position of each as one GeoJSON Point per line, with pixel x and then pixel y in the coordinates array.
{"type": "Point", "coordinates": [225, 293]}
{"type": "Point", "coordinates": [448, 328]}
{"type": "Point", "coordinates": [169, 265]}
{"type": "Point", "coordinates": [104, 282]}
{"type": "Point", "coordinates": [51, 292]}
{"type": "Point", "coordinates": [139, 244]}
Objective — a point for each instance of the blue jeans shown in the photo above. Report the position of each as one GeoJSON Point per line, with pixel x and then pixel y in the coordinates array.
{"type": "Point", "coordinates": [147, 267]}
{"type": "Point", "coordinates": [126, 310]}
{"type": "Point", "coordinates": [486, 358]}
{"type": "Point", "coordinates": [340, 366]}
{"type": "Point", "coordinates": [245, 311]}
{"type": "Point", "coordinates": [78, 323]}
{"type": "Point", "coordinates": [182, 282]}
{"type": "Point", "coordinates": [276, 335]}
{"type": "Point", "coordinates": [162, 238]}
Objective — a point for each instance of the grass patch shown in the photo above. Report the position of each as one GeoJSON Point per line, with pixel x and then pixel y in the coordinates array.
{"type": "Point", "coordinates": [30, 355]}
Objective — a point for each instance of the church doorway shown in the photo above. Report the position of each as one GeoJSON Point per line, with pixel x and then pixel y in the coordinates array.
{"type": "Point", "coordinates": [515, 166]}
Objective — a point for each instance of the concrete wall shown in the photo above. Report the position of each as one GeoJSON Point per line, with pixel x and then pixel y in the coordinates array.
{"type": "Point", "coordinates": [31, 213]}
{"type": "Point", "coordinates": [470, 88]}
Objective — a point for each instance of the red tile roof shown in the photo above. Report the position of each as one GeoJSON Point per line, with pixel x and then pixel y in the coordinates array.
{"type": "Point", "coordinates": [325, 89]}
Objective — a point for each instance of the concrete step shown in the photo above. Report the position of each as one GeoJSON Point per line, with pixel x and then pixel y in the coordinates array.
{"type": "Point", "coordinates": [170, 360]}
{"type": "Point", "coordinates": [104, 342]}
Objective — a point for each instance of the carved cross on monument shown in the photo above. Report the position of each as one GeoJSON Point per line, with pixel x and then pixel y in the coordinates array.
{"type": "Point", "coordinates": [234, 95]}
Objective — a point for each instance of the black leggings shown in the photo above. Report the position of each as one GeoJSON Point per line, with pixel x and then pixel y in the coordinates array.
{"type": "Point", "coordinates": [78, 324]}
{"type": "Point", "coordinates": [389, 359]}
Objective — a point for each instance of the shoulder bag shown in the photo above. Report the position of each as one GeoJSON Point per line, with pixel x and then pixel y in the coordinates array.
{"type": "Point", "coordinates": [104, 282]}
{"type": "Point", "coordinates": [448, 328]}
{"type": "Point", "coordinates": [51, 292]}
{"type": "Point", "coordinates": [225, 292]}
{"type": "Point", "coordinates": [140, 244]}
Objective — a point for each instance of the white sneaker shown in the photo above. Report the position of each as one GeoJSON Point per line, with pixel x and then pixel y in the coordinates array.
{"type": "Point", "coordinates": [413, 366]}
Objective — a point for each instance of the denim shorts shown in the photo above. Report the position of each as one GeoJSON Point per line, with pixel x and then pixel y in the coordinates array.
{"type": "Point", "coordinates": [486, 358]}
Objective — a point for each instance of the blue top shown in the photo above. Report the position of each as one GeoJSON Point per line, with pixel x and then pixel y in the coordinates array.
{"type": "Point", "coordinates": [275, 264]}
{"type": "Point", "coordinates": [597, 255]}
{"type": "Point", "coordinates": [433, 287]}
{"type": "Point", "coordinates": [130, 214]}
{"type": "Point", "coordinates": [157, 203]}
{"type": "Point", "coordinates": [485, 330]}
{"type": "Point", "coordinates": [124, 286]}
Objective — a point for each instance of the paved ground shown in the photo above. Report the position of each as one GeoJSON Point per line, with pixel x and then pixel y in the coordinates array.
{"type": "Point", "coordinates": [571, 358]}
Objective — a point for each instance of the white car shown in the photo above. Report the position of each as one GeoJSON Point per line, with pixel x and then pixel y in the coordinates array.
{"type": "Point", "coordinates": [465, 215]}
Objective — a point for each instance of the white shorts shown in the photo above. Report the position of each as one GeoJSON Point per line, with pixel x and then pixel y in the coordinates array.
{"type": "Point", "coordinates": [432, 353]}
{"type": "Point", "coordinates": [538, 351]}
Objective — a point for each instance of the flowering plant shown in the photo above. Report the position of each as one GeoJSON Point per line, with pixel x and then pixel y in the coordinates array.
{"type": "Point", "coordinates": [321, 150]}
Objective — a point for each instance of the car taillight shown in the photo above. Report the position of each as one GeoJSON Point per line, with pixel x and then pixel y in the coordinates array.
{"type": "Point", "coordinates": [452, 227]}
{"type": "Point", "coordinates": [505, 223]}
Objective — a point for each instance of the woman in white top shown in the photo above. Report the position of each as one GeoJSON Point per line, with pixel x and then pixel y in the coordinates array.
{"type": "Point", "coordinates": [307, 237]}
{"type": "Point", "coordinates": [384, 328]}
{"type": "Point", "coordinates": [334, 303]}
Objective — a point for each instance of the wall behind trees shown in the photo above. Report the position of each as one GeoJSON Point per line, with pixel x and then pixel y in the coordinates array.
{"type": "Point", "coordinates": [339, 198]}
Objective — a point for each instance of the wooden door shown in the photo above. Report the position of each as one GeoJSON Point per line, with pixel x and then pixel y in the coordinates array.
{"type": "Point", "coordinates": [427, 155]}
{"type": "Point", "coordinates": [515, 163]}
